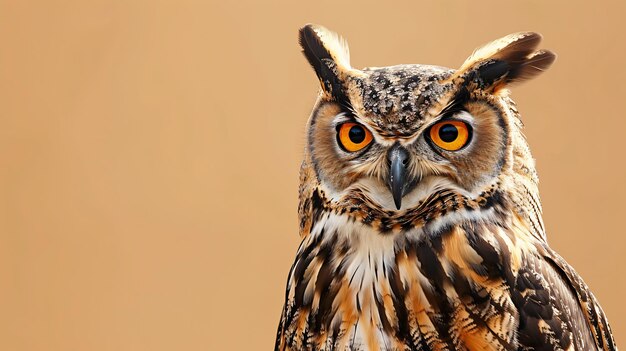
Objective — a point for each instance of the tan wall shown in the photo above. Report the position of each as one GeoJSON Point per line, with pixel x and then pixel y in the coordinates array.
{"type": "Point", "coordinates": [149, 153]}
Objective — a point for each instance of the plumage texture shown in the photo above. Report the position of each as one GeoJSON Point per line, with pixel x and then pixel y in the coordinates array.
{"type": "Point", "coordinates": [463, 263]}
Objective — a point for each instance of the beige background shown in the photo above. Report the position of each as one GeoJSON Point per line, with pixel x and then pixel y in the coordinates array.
{"type": "Point", "coordinates": [149, 153]}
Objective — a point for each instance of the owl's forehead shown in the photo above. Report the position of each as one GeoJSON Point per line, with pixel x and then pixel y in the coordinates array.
{"type": "Point", "coordinates": [396, 100]}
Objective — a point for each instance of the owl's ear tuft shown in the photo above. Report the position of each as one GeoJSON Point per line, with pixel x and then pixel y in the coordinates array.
{"type": "Point", "coordinates": [508, 60]}
{"type": "Point", "coordinates": [328, 54]}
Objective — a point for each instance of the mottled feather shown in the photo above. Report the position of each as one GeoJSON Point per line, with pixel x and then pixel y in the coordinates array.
{"type": "Point", "coordinates": [464, 263]}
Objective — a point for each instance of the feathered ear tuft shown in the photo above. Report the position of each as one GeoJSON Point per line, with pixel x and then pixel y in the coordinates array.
{"type": "Point", "coordinates": [511, 59]}
{"type": "Point", "coordinates": [328, 54]}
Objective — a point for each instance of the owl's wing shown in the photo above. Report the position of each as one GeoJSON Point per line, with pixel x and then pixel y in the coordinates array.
{"type": "Point", "coordinates": [594, 315]}
{"type": "Point", "coordinates": [556, 307]}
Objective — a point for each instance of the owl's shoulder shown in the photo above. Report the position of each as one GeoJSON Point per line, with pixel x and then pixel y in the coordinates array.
{"type": "Point", "coordinates": [577, 306]}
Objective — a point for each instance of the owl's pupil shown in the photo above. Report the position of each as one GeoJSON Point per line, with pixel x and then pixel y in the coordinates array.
{"type": "Point", "coordinates": [356, 134]}
{"type": "Point", "coordinates": [448, 133]}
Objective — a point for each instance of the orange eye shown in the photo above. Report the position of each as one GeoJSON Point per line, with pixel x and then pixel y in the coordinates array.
{"type": "Point", "coordinates": [354, 137]}
{"type": "Point", "coordinates": [450, 135]}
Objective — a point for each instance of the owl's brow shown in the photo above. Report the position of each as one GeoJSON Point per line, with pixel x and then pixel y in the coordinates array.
{"type": "Point", "coordinates": [346, 105]}
{"type": "Point", "coordinates": [454, 105]}
{"type": "Point", "coordinates": [342, 117]}
{"type": "Point", "coordinates": [456, 102]}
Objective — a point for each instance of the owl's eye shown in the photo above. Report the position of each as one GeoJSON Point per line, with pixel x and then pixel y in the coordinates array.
{"type": "Point", "coordinates": [450, 135]}
{"type": "Point", "coordinates": [354, 137]}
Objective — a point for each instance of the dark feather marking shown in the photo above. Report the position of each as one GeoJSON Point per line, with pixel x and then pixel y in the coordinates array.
{"type": "Point", "coordinates": [302, 263]}
{"type": "Point", "coordinates": [518, 61]}
{"type": "Point", "coordinates": [532, 66]}
{"type": "Point", "coordinates": [324, 288]}
{"type": "Point", "coordinates": [398, 294]}
{"type": "Point", "coordinates": [356, 325]}
{"type": "Point", "coordinates": [488, 72]}
{"type": "Point", "coordinates": [535, 302]}
{"type": "Point", "coordinates": [352, 276]}
{"type": "Point", "coordinates": [317, 207]}
{"type": "Point", "coordinates": [381, 309]}
{"type": "Point", "coordinates": [322, 62]}
{"type": "Point", "coordinates": [474, 301]}
{"type": "Point", "coordinates": [597, 321]}
{"type": "Point", "coordinates": [492, 262]}
{"type": "Point", "coordinates": [432, 269]}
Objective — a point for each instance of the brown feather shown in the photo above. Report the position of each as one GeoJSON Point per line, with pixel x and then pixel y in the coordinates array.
{"type": "Point", "coordinates": [464, 264]}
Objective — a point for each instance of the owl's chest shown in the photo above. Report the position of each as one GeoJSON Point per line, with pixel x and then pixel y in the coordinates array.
{"type": "Point", "coordinates": [443, 289]}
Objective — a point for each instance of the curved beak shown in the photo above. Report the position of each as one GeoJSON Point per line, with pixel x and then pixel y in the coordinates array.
{"type": "Point", "coordinates": [398, 184]}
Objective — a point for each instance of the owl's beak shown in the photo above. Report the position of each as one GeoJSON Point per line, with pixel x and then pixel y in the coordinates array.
{"type": "Point", "coordinates": [399, 160]}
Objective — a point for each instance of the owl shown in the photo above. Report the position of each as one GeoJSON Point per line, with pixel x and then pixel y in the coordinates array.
{"type": "Point", "coordinates": [420, 216]}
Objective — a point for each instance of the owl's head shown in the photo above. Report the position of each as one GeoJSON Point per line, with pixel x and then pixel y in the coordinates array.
{"type": "Point", "coordinates": [400, 133]}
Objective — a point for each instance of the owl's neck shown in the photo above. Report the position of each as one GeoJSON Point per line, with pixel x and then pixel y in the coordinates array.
{"type": "Point", "coordinates": [362, 276]}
